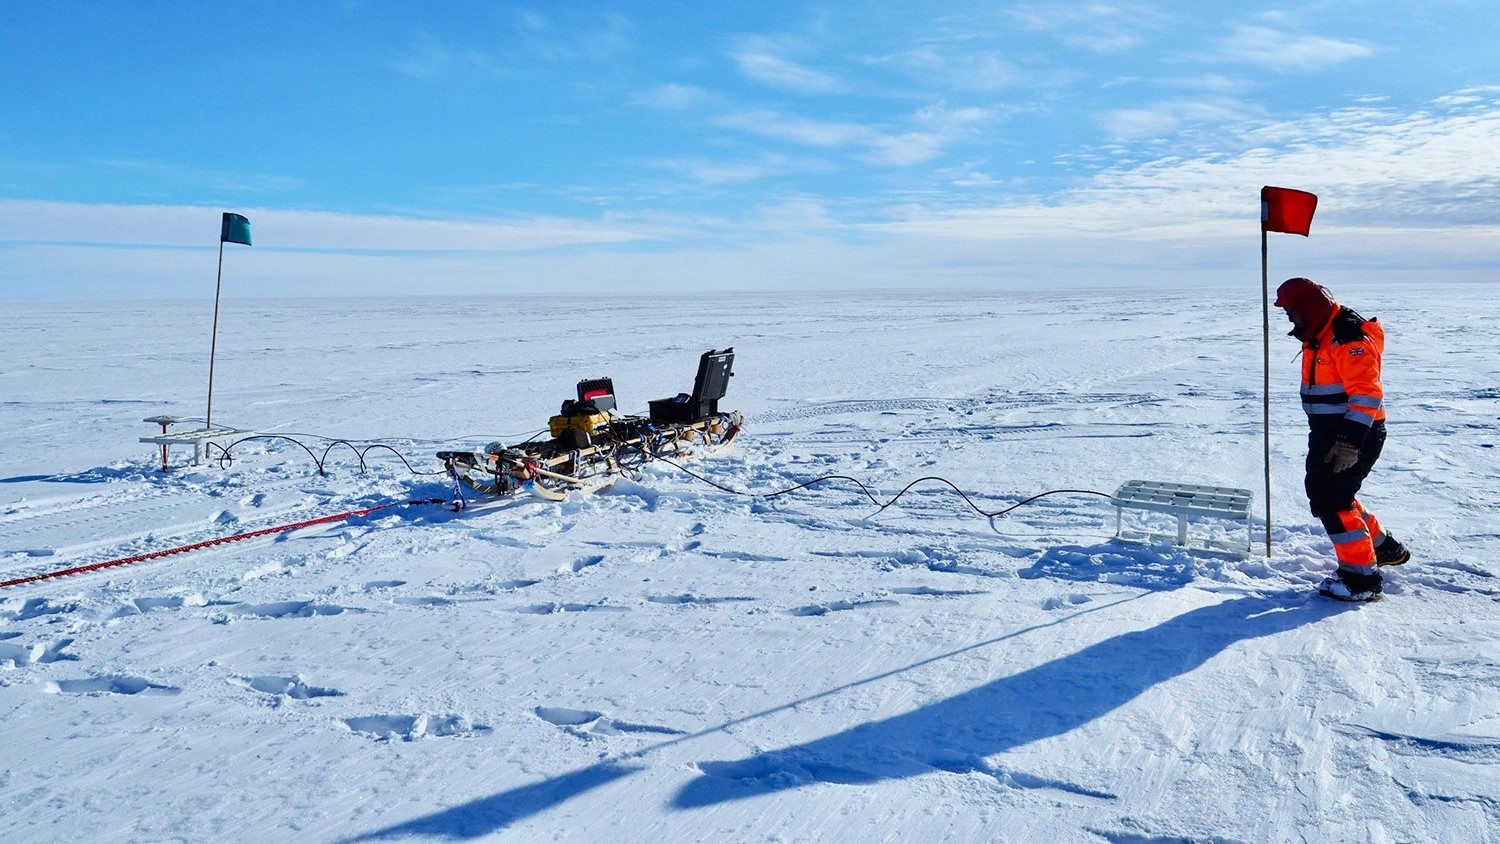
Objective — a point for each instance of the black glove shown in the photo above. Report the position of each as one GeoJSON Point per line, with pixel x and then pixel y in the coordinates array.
{"type": "Point", "coordinates": [1343, 455]}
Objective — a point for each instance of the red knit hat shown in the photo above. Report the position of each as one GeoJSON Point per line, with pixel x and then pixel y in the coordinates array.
{"type": "Point", "coordinates": [1309, 301]}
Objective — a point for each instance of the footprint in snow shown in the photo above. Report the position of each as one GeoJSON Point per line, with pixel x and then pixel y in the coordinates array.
{"type": "Point", "coordinates": [169, 602]}
{"type": "Point", "coordinates": [694, 599]}
{"type": "Point", "coordinates": [413, 727]}
{"type": "Point", "coordinates": [839, 606]}
{"type": "Point", "coordinates": [1011, 778]}
{"type": "Point", "coordinates": [597, 723]}
{"type": "Point", "coordinates": [935, 593]}
{"type": "Point", "coordinates": [19, 656]}
{"type": "Point", "coordinates": [777, 772]}
{"type": "Point", "coordinates": [425, 601]}
{"type": "Point", "coordinates": [36, 608]}
{"type": "Point", "coordinates": [745, 556]}
{"type": "Point", "coordinates": [491, 587]}
{"type": "Point", "coordinates": [564, 717]}
{"type": "Point", "coordinates": [108, 686]}
{"type": "Point", "coordinates": [496, 538]}
{"type": "Point", "coordinates": [581, 564]}
{"type": "Point", "coordinates": [293, 687]}
{"type": "Point", "coordinates": [285, 609]}
{"type": "Point", "coordinates": [548, 609]}
{"type": "Point", "coordinates": [1074, 599]}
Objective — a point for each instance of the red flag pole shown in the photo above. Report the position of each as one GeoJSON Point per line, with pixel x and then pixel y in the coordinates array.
{"type": "Point", "coordinates": [1265, 311]}
{"type": "Point", "coordinates": [1290, 211]}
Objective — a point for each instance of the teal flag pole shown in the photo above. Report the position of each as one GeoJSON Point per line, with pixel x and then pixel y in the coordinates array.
{"type": "Point", "coordinates": [233, 229]}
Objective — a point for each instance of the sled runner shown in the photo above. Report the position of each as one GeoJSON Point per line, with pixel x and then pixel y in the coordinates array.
{"type": "Point", "coordinates": [590, 446]}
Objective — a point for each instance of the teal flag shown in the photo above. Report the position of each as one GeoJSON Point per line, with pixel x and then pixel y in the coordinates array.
{"type": "Point", "coordinates": [236, 229]}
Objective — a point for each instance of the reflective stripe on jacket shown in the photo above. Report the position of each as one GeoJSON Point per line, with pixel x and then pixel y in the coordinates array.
{"type": "Point", "coordinates": [1341, 376]}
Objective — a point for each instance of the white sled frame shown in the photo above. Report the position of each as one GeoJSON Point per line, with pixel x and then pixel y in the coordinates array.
{"type": "Point", "coordinates": [1182, 501]}
{"type": "Point", "coordinates": [198, 439]}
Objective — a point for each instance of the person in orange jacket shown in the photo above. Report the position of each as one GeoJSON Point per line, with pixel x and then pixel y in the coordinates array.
{"type": "Point", "coordinates": [1345, 405]}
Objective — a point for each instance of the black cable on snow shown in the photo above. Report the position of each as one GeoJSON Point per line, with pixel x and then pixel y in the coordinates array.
{"type": "Point", "coordinates": [226, 459]}
{"type": "Point", "coordinates": [990, 514]}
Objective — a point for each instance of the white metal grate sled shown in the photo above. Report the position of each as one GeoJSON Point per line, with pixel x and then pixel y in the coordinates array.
{"type": "Point", "coordinates": [1182, 501]}
{"type": "Point", "coordinates": [198, 439]}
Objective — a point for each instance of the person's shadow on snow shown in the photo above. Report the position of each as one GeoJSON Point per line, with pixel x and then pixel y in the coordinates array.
{"type": "Point", "coordinates": [955, 734]}
{"type": "Point", "coordinates": [1048, 700]}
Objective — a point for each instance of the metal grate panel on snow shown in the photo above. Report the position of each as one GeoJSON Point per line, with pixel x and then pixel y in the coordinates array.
{"type": "Point", "coordinates": [1182, 501]}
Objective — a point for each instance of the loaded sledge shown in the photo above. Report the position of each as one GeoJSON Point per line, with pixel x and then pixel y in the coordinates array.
{"type": "Point", "coordinates": [590, 445]}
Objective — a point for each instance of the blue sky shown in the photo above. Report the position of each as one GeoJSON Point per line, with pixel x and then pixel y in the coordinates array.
{"type": "Point", "coordinates": [491, 147]}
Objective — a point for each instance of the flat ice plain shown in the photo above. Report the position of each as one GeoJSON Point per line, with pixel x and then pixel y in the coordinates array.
{"type": "Point", "coordinates": [668, 661]}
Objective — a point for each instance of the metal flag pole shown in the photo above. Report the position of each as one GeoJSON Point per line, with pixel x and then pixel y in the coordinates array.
{"type": "Point", "coordinates": [1289, 211]}
{"type": "Point", "coordinates": [213, 342]}
{"type": "Point", "coordinates": [232, 229]}
{"type": "Point", "coordinates": [1265, 313]}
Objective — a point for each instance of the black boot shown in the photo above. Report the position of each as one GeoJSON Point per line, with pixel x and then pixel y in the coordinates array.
{"type": "Point", "coordinates": [1390, 552]}
{"type": "Point", "coordinates": [1352, 586]}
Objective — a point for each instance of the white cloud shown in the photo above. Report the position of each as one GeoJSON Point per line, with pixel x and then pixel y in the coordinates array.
{"type": "Point", "coordinates": [939, 126]}
{"type": "Point", "coordinates": [953, 120]}
{"type": "Point", "coordinates": [954, 69]}
{"type": "Point", "coordinates": [672, 97]}
{"type": "Point", "coordinates": [1429, 175]}
{"type": "Point", "coordinates": [780, 73]}
{"type": "Point", "coordinates": [800, 130]}
{"type": "Point", "coordinates": [934, 128]}
{"type": "Point", "coordinates": [799, 216]}
{"type": "Point", "coordinates": [1212, 83]}
{"type": "Point", "coordinates": [976, 179]}
{"type": "Point", "coordinates": [708, 172]}
{"type": "Point", "coordinates": [28, 221]}
{"type": "Point", "coordinates": [1282, 50]}
{"type": "Point", "coordinates": [532, 37]}
{"type": "Point", "coordinates": [1096, 27]}
{"type": "Point", "coordinates": [905, 149]}
{"type": "Point", "coordinates": [1469, 96]}
{"type": "Point", "coordinates": [1136, 123]}
{"type": "Point", "coordinates": [1401, 193]}
{"type": "Point", "coordinates": [430, 60]}
{"type": "Point", "coordinates": [203, 178]}
{"type": "Point", "coordinates": [1170, 117]}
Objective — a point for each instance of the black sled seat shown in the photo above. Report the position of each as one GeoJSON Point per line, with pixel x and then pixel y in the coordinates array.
{"type": "Point", "coordinates": [600, 391]}
{"type": "Point", "coordinates": [714, 371]}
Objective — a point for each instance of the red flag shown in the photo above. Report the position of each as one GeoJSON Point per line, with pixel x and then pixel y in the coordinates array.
{"type": "Point", "coordinates": [1286, 210]}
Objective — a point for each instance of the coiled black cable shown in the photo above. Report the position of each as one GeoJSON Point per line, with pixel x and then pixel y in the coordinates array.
{"type": "Point", "coordinates": [989, 514]}
{"type": "Point", "coordinates": [225, 459]}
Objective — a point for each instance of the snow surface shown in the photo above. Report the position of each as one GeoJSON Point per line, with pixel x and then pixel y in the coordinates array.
{"type": "Point", "coordinates": [668, 661]}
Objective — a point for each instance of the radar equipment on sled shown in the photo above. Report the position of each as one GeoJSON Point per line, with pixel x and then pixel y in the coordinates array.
{"type": "Point", "coordinates": [590, 445]}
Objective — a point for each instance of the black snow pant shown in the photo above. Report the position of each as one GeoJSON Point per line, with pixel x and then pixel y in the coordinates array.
{"type": "Point", "coordinates": [1332, 496]}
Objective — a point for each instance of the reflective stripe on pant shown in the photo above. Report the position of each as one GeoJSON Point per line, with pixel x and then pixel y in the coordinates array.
{"type": "Point", "coordinates": [1354, 533]}
{"type": "Point", "coordinates": [1331, 495]}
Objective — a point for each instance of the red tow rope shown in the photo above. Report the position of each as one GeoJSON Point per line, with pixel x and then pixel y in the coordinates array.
{"type": "Point", "coordinates": [208, 543]}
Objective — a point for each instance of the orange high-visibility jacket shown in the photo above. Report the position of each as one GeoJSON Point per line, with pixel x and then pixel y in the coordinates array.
{"type": "Point", "coordinates": [1341, 389]}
